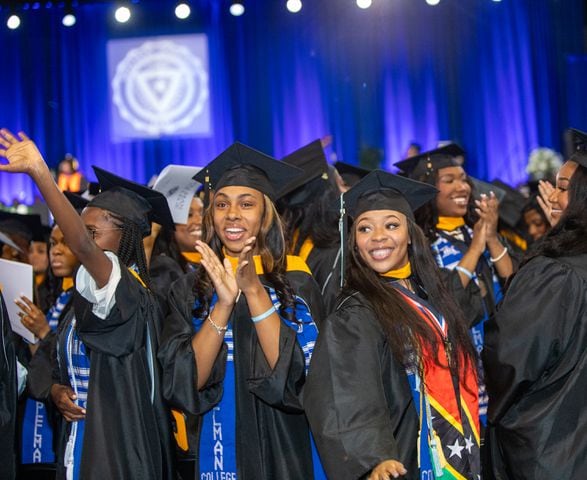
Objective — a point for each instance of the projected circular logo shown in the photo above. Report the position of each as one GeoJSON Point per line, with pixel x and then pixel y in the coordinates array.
{"type": "Point", "coordinates": [160, 87]}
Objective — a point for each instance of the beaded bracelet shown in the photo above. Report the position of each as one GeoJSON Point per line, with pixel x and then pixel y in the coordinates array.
{"type": "Point", "coordinates": [465, 272]}
{"type": "Point", "coordinates": [219, 330]}
{"type": "Point", "coordinates": [500, 256]}
{"type": "Point", "coordinates": [264, 315]}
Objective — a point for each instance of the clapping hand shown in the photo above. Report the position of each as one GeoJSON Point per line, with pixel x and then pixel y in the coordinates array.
{"type": "Point", "coordinates": [246, 274]}
{"type": "Point", "coordinates": [221, 274]}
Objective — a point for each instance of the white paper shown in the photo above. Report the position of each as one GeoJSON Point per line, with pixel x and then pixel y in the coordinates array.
{"type": "Point", "coordinates": [16, 279]}
{"type": "Point", "coordinates": [176, 183]}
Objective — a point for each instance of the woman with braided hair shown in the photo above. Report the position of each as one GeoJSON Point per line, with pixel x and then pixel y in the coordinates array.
{"type": "Point", "coordinates": [115, 423]}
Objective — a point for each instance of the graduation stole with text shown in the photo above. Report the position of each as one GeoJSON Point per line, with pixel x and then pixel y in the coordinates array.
{"type": "Point", "coordinates": [450, 448]}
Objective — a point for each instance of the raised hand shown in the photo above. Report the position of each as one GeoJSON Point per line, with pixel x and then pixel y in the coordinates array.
{"type": "Point", "coordinates": [246, 275]}
{"type": "Point", "coordinates": [22, 154]}
{"type": "Point", "coordinates": [388, 469]}
{"type": "Point", "coordinates": [545, 189]}
{"type": "Point", "coordinates": [63, 397]}
{"type": "Point", "coordinates": [32, 317]}
{"type": "Point", "coordinates": [221, 275]}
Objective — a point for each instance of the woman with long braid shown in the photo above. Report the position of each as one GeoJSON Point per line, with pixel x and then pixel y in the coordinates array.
{"type": "Point", "coordinates": [117, 426]}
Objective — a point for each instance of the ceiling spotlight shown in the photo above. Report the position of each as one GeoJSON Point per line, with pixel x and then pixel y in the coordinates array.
{"type": "Point", "coordinates": [432, 2]}
{"type": "Point", "coordinates": [237, 8]}
{"type": "Point", "coordinates": [122, 14]}
{"type": "Point", "coordinates": [182, 11]}
{"type": "Point", "coordinates": [364, 3]}
{"type": "Point", "coordinates": [294, 6]}
{"type": "Point", "coordinates": [13, 22]}
{"type": "Point", "coordinates": [68, 20]}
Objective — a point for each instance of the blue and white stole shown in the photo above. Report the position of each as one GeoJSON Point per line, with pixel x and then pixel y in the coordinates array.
{"type": "Point", "coordinates": [218, 435]}
{"type": "Point", "coordinates": [78, 372]}
{"type": "Point", "coordinates": [448, 256]}
{"type": "Point", "coordinates": [37, 431]}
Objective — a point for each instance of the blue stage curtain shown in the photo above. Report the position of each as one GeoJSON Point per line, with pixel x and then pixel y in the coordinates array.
{"type": "Point", "coordinates": [492, 76]}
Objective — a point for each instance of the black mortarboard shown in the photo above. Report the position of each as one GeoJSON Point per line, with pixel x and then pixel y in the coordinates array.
{"type": "Point", "coordinates": [132, 201]}
{"type": "Point", "coordinates": [578, 140]}
{"type": "Point", "coordinates": [450, 155]}
{"type": "Point", "coordinates": [311, 159]}
{"type": "Point", "coordinates": [77, 201]}
{"type": "Point", "coordinates": [28, 226]}
{"type": "Point", "coordinates": [484, 188]}
{"type": "Point", "coordinates": [381, 190]}
{"type": "Point", "coordinates": [244, 166]}
{"type": "Point", "coordinates": [6, 240]}
{"type": "Point", "coordinates": [351, 174]}
{"type": "Point", "coordinates": [512, 204]}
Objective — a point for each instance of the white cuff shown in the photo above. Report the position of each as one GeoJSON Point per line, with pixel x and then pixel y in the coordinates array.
{"type": "Point", "coordinates": [102, 299]}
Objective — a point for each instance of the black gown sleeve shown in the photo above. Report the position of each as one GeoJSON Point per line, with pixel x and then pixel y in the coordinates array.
{"type": "Point", "coordinates": [177, 358]}
{"type": "Point", "coordinates": [529, 332]}
{"type": "Point", "coordinates": [41, 367]}
{"type": "Point", "coordinates": [282, 386]}
{"type": "Point", "coordinates": [467, 298]}
{"type": "Point", "coordinates": [123, 330]}
{"type": "Point", "coordinates": [344, 396]}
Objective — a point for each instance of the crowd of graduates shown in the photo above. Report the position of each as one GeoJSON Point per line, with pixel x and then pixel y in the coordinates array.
{"type": "Point", "coordinates": [299, 320]}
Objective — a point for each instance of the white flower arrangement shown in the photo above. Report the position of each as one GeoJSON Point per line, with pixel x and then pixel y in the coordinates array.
{"type": "Point", "coordinates": [543, 162]}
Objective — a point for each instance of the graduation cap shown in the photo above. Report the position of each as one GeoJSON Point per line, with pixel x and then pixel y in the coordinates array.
{"type": "Point", "coordinates": [77, 201]}
{"type": "Point", "coordinates": [450, 155]}
{"type": "Point", "coordinates": [244, 166]}
{"type": "Point", "coordinates": [380, 190]}
{"type": "Point", "coordinates": [28, 226]}
{"type": "Point", "coordinates": [578, 140]}
{"type": "Point", "coordinates": [132, 201]}
{"type": "Point", "coordinates": [484, 188]}
{"type": "Point", "coordinates": [351, 174]}
{"type": "Point", "coordinates": [512, 204]}
{"type": "Point", "coordinates": [311, 159]}
{"type": "Point", "coordinates": [6, 240]}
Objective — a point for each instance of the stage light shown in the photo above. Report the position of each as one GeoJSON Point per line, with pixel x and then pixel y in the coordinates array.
{"type": "Point", "coordinates": [364, 3]}
{"type": "Point", "coordinates": [13, 22]}
{"type": "Point", "coordinates": [237, 8]}
{"type": "Point", "coordinates": [182, 11]}
{"type": "Point", "coordinates": [294, 6]}
{"type": "Point", "coordinates": [122, 14]}
{"type": "Point", "coordinates": [432, 2]}
{"type": "Point", "coordinates": [68, 20]}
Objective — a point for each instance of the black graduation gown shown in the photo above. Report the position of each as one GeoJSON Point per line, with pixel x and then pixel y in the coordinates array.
{"type": "Point", "coordinates": [126, 436]}
{"type": "Point", "coordinates": [8, 397]}
{"type": "Point", "coordinates": [354, 433]}
{"type": "Point", "coordinates": [325, 267]}
{"type": "Point", "coordinates": [272, 435]}
{"type": "Point", "coordinates": [536, 373]}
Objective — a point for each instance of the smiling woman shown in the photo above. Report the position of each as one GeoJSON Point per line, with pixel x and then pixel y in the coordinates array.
{"type": "Point", "coordinates": [535, 353]}
{"type": "Point", "coordinates": [407, 395]}
{"type": "Point", "coordinates": [106, 383]}
{"type": "Point", "coordinates": [242, 327]}
{"type": "Point", "coordinates": [463, 236]}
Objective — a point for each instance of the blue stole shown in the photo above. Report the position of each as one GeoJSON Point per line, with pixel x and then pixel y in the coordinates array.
{"type": "Point", "coordinates": [217, 438]}
{"type": "Point", "coordinates": [37, 431]}
{"type": "Point", "coordinates": [448, 256]}
{"type": "Point", "coordinates": [78, 371]}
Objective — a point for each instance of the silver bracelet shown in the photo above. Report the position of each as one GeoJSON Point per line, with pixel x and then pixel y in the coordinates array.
{"type": "Point", "coordinates": [219, 330]}
{"type": "Point", "coordinates": [500, 256]}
